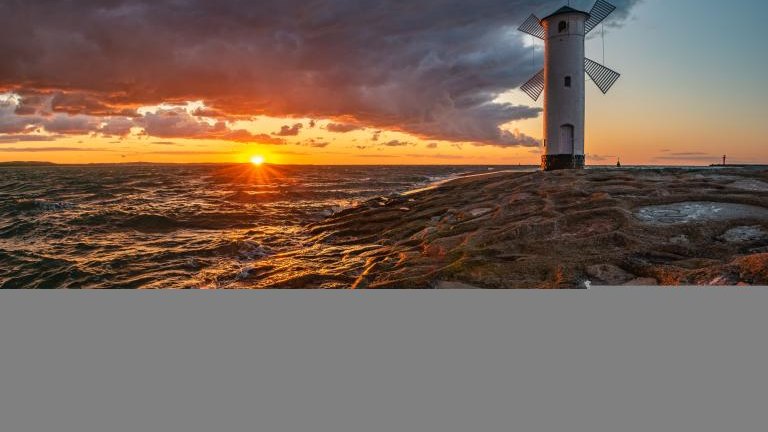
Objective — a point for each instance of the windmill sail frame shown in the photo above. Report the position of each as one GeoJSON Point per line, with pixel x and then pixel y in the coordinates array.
{"type": "Point", "coordinates": [535, 86]}
{"type": "Point", "coordinates": [533, 27]}
{"type": "Point", "coordinates": [598, 14]}
{"type": "Point", "coordinates": [603, 77]}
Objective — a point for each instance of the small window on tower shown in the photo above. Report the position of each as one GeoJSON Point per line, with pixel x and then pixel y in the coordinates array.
{"type": "Point", "coordinates": [563, 26]}
{"type": "Point", "coordinates": [568, 81]}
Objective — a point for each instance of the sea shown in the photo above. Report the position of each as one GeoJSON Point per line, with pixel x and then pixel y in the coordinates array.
{"type": "Point", "coordinates": [151, 226]}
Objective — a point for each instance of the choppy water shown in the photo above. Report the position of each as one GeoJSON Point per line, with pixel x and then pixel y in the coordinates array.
{"type": "Point", "coordinates": [172, 226]}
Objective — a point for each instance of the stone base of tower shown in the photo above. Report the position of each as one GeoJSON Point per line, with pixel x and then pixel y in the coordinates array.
{"type": "Point", "coordinates": [562, 162]}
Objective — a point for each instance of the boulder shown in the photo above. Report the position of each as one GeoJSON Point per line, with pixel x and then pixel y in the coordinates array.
{"type": "Point", "coordinates": [609, 274]}
{"type": "Point", "coordinates": [642, 282]}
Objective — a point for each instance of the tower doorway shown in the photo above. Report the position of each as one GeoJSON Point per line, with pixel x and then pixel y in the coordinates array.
{"type": "Point", "coordinates": [567, 138]}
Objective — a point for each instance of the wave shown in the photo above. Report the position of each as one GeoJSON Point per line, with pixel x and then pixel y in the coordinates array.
{"type": "Point", "coordinates": [40, 205]}
{"type": "Point", "coordinates": [172, 226]}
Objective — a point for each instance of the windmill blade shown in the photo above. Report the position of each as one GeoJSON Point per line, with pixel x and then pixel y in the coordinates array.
{"type": "Point", "coordinates": [533, 27]}
{"type": "Point", "coordinates": [603, 77]}
{"type": "Point", "coordinates": [534, 86]}
{"type": "Point", "coordinates": [599, 12]}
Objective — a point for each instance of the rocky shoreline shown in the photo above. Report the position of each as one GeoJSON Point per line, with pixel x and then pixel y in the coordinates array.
{"type": "Point", "coordinates": [569, 229]}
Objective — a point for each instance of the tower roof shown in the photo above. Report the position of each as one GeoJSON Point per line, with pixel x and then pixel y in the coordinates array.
{"type": "Point", "coordinates": [565, 10]}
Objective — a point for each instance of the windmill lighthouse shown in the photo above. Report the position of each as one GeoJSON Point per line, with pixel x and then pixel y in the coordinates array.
{"type": "Point", "coordinates": [563, 80]}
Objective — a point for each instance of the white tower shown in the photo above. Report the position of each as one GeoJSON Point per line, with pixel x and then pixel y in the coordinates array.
{"type": "Point", "coordinates": [563, 81]}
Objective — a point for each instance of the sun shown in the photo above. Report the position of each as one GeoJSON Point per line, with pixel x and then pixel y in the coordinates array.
{"type": "Point", "coordinates": [257, 160]}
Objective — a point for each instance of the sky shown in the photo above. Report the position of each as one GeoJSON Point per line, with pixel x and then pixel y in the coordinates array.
{"type": "Point", "coordinates": [369, 82]}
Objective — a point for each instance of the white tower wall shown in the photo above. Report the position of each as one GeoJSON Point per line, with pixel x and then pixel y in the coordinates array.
{"type": "Point", "coordinates": [564, 86]}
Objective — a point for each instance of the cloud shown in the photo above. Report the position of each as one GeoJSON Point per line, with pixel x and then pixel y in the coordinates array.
{"type": "Point", "coordinates": [290, 130]}
{"type": "Point", "coordinates": [50, 149]}
{"type": "Point", "coordinates": [342, 127]}
{"type": "Point", "coordinates": [432, 145]}
{"type": "Point", "coordinates": [175, 122]}
{"type": "Point", "coordinates": [178, 123]}
{"type": "Point", "coordinates": [397, 143]}
{"type": "Point", "coordinates": [292, 153]}
{"type": "Point", "coordinates": [432, 68]}
{"type": "Point", "coordinates": [27, 138]}
{"type": "Point", "coordinates": [71, 124]}
{"type": "Point", "coordinates": [316, 143]}
{"type": "Point", "coordinates": [11, 122]}
{"type": "Point", "coordinates": [436, 156]}
{"type": "Point", "coordinates": [192, 152]}
{"type": "Point", "coordinates": [118, 126]}
{"type": "Point", "coordinates": [208, 112]}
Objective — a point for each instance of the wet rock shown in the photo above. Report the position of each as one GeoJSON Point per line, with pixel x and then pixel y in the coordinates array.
{"type": "Point", "coordinates": [744, 234]}
{"type": "Point", "coordinates": [688, 212]}
{"type": "Point", "coordinates": [480, 211]}
{"type": "Point", "coordinates": [723, 280]}
{"type": "Point", "coordinates": [542, 230]}
{"type": "Point", "coordinates": [642, 282]}
{"type": "Point", "coordinates": [750, 185]}
{"type": "Point", "coordinates": [680, 240]}
{"type": "Point", "coordinates": [423, 234]}
{"type": "Point", "coordinates": [446, 285]}
{"type": "Point", "coordinates": [609, 274]}
{"type": "Point", "coordinates": [753, 268]}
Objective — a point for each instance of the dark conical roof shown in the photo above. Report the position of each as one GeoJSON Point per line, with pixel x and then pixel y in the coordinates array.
{"type": "Point", "coordinates": [565, 10]}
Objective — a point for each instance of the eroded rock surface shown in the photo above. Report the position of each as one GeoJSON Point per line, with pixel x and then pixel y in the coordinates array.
{"type": "Point", "coordinates": [744, 234]}
{"type": "Point", "coordinates": [750, 185]}
{"type": "Point", "coordinates": [540, 230]}
{"type": "Point", "coordinates": [608, 274]}
{"type": "Point", "coordinates": [687, 212]}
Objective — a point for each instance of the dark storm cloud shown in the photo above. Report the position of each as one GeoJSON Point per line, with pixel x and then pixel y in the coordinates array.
{"type": "Point", "coordinates": [433, 68]}
{"type": "Point", "coordinates": [178, 123]}
{"type": "Point", "coordinates": [174, 122]}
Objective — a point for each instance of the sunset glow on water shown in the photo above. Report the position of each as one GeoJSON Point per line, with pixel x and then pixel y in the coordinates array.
{"type": "Point", "coordinates": [172, 226]}
{"type": "Point", "coordinates": [176, 144]}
